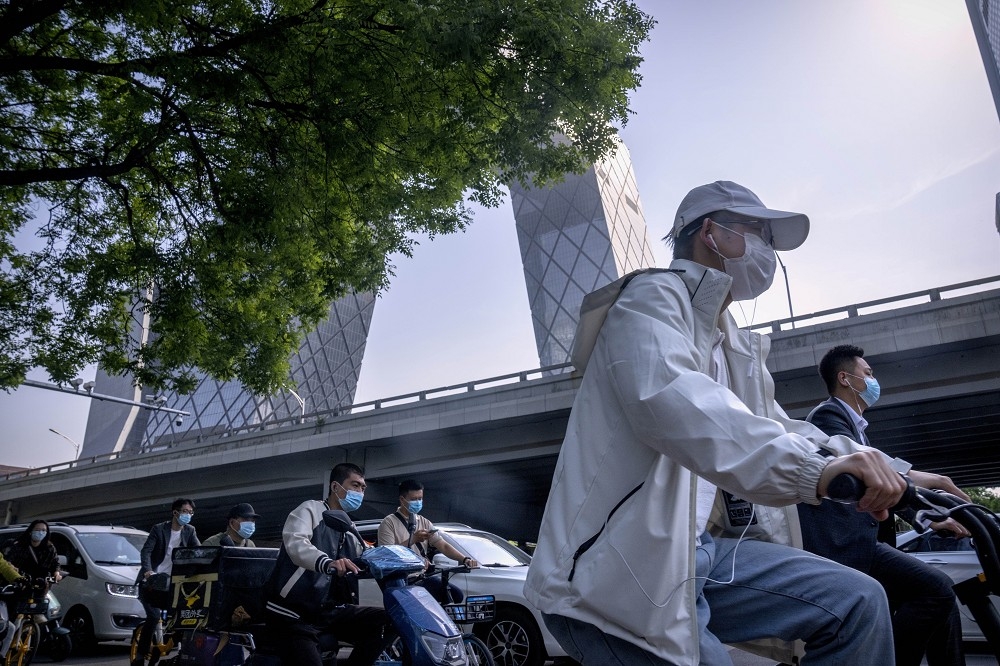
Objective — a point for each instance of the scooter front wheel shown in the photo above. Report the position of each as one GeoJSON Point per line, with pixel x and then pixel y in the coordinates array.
{"type": "Point", "coordinates": [59, 647]}
{"type": "Point", "coordinates": [479, 654]}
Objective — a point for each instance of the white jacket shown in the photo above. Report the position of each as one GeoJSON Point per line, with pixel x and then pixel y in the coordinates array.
{"type": "Point", "coordinates": [647, 413]}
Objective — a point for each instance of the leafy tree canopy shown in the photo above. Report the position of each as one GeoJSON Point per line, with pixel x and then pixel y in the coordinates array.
{"type": "Point", "coordinates": [224, 169]}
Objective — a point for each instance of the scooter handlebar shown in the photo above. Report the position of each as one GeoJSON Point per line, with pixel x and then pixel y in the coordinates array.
{"type": "Point", "coordinates": [849, 488]}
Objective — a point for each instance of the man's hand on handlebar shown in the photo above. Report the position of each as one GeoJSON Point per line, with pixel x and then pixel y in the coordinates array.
{"type": "Point", "coordinates": [937, 482]}
{"type": "Point", "coordinates": [951, 525]}
{"type": "Point", "coordinates": [342, 567]}
{"type": "Point", "coordinates": [884, 487]}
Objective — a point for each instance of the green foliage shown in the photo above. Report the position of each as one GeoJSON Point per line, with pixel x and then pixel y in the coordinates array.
{"type": "Point", "coordinates": [986, 496]}
{"type": "Point", "coordinates": [222, 170]}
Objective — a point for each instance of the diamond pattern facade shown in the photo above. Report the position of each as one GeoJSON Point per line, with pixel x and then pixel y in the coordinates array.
{"type": "Point", "coordinates": [574, 237]}
{"type": "Point", "coordinates": [326, 370]}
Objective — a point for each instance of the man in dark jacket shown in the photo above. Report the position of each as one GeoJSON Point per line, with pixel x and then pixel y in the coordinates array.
{"type": "Point", "coordinates": [314, 587]}
{"type": "Point", "coordinates": [925, 616]}
{"type": "Point", "coordinates": [156, 560]}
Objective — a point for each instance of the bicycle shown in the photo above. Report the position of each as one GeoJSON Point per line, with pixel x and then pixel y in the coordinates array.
{"type": "Point", "coordinates": [161, 644]}
{"type": "Point", "coordinates": [26, 631]}
{"type": "Point", "coordinates": [478, 608]}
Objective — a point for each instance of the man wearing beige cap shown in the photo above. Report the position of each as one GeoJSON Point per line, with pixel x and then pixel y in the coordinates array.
{"type": "Point", "coordinates": [660, 541]}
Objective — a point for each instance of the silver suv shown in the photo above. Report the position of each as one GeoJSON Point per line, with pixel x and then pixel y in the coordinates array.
{"type": "Point", "coordinates": [98, 595]}
{"type": "Point", "coordinates": [516, 636]}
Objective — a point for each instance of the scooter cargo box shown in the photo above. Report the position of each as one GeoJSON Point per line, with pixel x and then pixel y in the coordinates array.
{"type": "Point", "coordinates": [243, 576]}
{"type": "Point", "coordinates": [194, 577]}
{"type": "Point", "coordinates": [385, 561]}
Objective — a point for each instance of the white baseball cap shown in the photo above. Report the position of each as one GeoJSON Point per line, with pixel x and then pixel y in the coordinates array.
{"type": "Point", "coordinates": [788, 230]}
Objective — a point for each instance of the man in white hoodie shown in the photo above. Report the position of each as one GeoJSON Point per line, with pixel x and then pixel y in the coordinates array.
{"type": "Point", "coordinates": [659, 542]}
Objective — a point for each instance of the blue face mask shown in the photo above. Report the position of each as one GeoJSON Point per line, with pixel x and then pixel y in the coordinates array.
{"type": "Point", "coordinates": [247, 529]}
{"type": "Point", "coordinates": [415, 506]}
{"type": "Point", "coordinates": [183, 518]}
{"type": "Point", "coordinates": [38, 535]}
{"type": "Point", "coordinates": [353, 501]}
{"type": "Point", "coordinates": [872, 390]}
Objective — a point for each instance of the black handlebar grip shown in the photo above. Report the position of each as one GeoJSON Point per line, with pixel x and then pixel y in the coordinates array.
{"type": "Point", "coordinates": [846, 487]}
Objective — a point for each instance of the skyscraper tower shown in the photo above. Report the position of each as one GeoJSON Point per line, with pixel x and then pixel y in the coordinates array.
{"type": "Point", "coordinates": [325, 369]}
{"type": "Point", "coordinates": [985, 15]}
{"type": "Point", "coordinates": [574, 237]}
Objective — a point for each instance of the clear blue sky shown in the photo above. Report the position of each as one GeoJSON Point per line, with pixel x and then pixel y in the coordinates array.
{"type": "Point", "coordinates": [874, 118]}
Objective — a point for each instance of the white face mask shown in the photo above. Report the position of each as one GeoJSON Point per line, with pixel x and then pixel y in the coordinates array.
{"type": "Point", "coordinates": [752, 273]}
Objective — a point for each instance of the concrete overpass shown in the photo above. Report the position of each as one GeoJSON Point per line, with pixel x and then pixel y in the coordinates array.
{"type": "Point", "coordinates": [486, 450]}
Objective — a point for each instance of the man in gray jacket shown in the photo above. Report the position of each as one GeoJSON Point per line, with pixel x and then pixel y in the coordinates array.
{"type": "Point", "coordinates": [659, 542]}
{"type": "Point", "coordinates": [155, 556]}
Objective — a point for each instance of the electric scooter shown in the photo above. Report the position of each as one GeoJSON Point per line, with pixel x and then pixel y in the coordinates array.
{"type": "Point", "coordinates": [427, 635]}
{"type": "Point", "coordinates": [984, 525]}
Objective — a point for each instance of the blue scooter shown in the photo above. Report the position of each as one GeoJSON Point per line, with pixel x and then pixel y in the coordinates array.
{"type": "Point", "coordinates": [427, 635]}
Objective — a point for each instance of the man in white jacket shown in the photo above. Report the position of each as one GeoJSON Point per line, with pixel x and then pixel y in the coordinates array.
{"type": "Point", "coordinates": [659, 542]}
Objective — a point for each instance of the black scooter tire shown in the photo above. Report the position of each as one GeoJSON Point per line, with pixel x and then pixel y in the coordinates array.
{"type": "Point", "coordinates": [59, 647]}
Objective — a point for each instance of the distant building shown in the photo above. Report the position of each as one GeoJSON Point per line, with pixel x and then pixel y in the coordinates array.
{"type": "Point", "coordinates": [985, 15]}
{"type": "Point", "coordinates": [325, 369]}
{"type": "Point", "coordinates": [576, 236]}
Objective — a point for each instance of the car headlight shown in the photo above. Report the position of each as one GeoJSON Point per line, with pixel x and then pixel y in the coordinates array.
{"type": "Point", "coordinates": [445, 650]}
{"type": "Point", "coordinates": [120, 590]}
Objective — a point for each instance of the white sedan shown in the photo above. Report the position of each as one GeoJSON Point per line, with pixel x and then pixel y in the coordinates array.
{"type": "Point", "coordinates": [956, 558]}
{"type": "Point", "coordinates": [516, 636]}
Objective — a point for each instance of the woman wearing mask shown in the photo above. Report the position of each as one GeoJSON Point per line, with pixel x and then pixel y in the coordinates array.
{"type": "Point", "coordinates": [32, 552]}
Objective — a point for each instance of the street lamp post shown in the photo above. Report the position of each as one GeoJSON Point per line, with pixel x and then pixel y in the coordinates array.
{"type": "Point", "coordinates": [302, 404]}
{"type": "Point", "coordinates": [72, 441]}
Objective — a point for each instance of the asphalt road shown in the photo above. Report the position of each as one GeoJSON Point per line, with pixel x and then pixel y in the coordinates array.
{"type": "Point", "coordinates": [112, 654]}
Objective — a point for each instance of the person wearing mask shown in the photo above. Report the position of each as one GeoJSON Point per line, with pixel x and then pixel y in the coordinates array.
{"type": "Point", "coordinates": [669, 529]}
{"type": "Point", "coordinates": [156, 560]}
{"type": "Point", "coordinates": [241, 523]}
{"type": "Point", "coordinates": [925, 615]}
{"type": "Point", "coordinates": [32, 552]}
{"type": "Point", "coordinates": [314, 586]}
{"type": "Point", "coordinates": [407, 527]}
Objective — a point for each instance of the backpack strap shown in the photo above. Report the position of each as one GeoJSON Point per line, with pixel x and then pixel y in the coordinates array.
{"type": "Point", "coordinates": [594, 310]}
{"type": "Point", "coordinates": [590, 542]}
{"type": "Point", "coordinates": [406, 525]}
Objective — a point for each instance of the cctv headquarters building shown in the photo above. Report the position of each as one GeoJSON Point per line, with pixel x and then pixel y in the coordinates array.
{"type": "Point", "coordinates": [574, 237]}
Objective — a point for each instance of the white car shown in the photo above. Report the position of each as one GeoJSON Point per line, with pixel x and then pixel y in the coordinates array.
{"type": "Point", "coordinates": [956, 558]}
{"type": "Point", "coordinates": [516, 636]}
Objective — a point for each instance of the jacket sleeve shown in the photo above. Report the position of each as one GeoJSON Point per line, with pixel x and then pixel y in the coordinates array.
{"type": "Point", "coordinates": [297, 539]}
{"type": "Point", "coordinates": [146, 554]}
{"type": "Point", "coordinates": [8, 571]}
{"type": "Point", "coordinates": [676, 409]}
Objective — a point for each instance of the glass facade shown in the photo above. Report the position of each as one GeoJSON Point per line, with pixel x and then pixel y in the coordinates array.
{"type": "Point", "coordinates": [985, 15]}
{"type": "Point", "coordinates": [326, 370]}
{"type": "Point", "coordinates": [576, 236]}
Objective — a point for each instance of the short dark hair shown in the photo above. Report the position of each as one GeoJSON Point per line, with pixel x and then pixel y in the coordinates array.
{"type": "Point", "coordinates": [837, 360]}
{"type": "Point", "coordinates": [683, 243]}
{"type": "Point", "coordinates": [342, 471]}
{"type": "Point", "coordinates": [180, 502]}
{"type": "Point", "coordinates": [409, 485]}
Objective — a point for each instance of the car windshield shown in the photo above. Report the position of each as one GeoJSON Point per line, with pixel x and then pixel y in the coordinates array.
{"type": "Point", "coordinates": [488, 549]}
{"type": "Point", "coordinates": [112, 547]}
